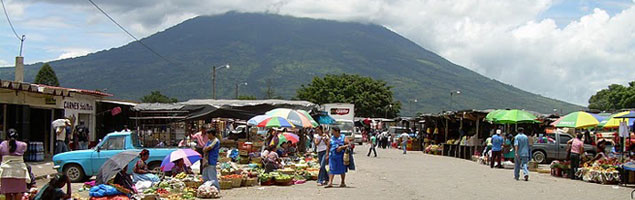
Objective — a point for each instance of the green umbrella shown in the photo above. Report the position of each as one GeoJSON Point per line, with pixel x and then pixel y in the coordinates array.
{"type": "Point", "coordinates": [516, 116]}
{"type": "Point", "coordinates": [492, 116]}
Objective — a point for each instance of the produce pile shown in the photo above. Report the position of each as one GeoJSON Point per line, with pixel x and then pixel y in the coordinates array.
{"type": "Point", "coordinates": [433, 149]}
{"type": "Point", "coordinates": [177, 188]}
{"type": "Point", "coordinates": [601, 171]}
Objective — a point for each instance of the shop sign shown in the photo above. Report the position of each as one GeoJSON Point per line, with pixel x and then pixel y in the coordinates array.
{"type": "Point", "coordinates": [77, 106]}
{"type": "Point", "coordinates": [50, 101]}
{"type": "Point", "coordinates": [340, 111]}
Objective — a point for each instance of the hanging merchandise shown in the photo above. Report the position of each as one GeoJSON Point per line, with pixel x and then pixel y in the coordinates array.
{"type": "Point", "coordinates": [623, 130]}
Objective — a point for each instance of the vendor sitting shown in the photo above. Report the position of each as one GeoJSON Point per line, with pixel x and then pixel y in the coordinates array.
{"type": "Point", "coordinates": [123, 178]}
{"type": "Point", "coordinates": [601, 155]}
{"type": "Point", "coordinates": [53, 189]}
{"type": "Point", "coordinates": [272, 161]}
{"type": "Point", "coordinates": [179, 166]}
{"type": "Point", "coordinates": [141, 172]}
{"type": "Point", "coordinates": [292, 148]}
{"type": "Point", "coordinates": [284, 149]}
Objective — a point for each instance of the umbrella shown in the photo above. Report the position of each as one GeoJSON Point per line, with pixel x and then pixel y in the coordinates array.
{"type": "Point", "coordinates": [324, 118]}
{"type": "Point", "coordinates": [614, 120]}
{"type": "Point", "coordinates": [115, 164]}
{"type": "Point", "coordinates": [515, 116]}
{"type": "Point", "coordinates": [492, 116]}
{"type": "Point", "coordinates": [289, 137]}
{"type": "Point", "coordinates": [257, 119]}
{"type": "Point", "coordinates": [189, 157]}
{"type": "Point", "coordinates": [631, 115]}
{"type": "Point", "coordinates": [308, 116]}
{"type": "Point", "coordinates": [292, 116]}
{"type": "Point", "coordinates": [271, 122]}
{"type": "Point", "coordinates": [577, 119]}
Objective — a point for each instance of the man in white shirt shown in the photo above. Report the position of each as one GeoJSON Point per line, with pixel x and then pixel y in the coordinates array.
{"type": "Point", "coordinates": [404, 141]}
{"type": "Point", "coordinates": [60, 137]}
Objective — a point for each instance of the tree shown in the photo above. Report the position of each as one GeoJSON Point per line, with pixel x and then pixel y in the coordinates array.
{"type": "Point", "coordinates": [372, 98]}
{"type": "Point", "coordinates": [246, 97]}
{"type": "Point", "coordinates": [616, 97]}
{"type": "Point", "coordinates": [46, 76]}
{"type": "Point", "coordinates": [157, 97]}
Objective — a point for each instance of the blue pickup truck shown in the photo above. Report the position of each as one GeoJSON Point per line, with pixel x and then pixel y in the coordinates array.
{"type": "Point", "coordinates": [83, 164]}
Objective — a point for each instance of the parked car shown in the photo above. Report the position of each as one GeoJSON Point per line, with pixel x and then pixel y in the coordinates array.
{"type": "Point", "coordinates": [553, 146]}
{"type": "Point", "coordinates": [83, 164]}
{"type": "Point", "coordinates": [357, 136]}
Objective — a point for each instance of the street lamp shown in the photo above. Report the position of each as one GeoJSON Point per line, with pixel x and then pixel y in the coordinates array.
{"type": "Point", "coordinates": [386, 113]}
{"type": "Point", "coordinates": [239, 84]}
{"type": "Point", "coordinates": [452, 93]}
{"type": "Point", "coordinates": [214, 78]}
{"type": "Point", "coordinates": [410, 105]}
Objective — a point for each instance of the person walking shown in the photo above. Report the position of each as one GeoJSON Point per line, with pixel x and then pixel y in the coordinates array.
{"type": "Point", "coordinates": [211, 154]}
{"type": "Point", "coordinates": [321, 143]}
{"type": "Point", "coordinates": [60, 137]}
{"type": "Point", "coordinates": [14, 174]}
{"type": "Point", "coordinates": [373, 144]}
{"type": "Point", "coordinates": [82, 135]}
{"type": "Point", "coordinates": [577, 149]}
{"type": "Point", "coordinates": [404, 141]}
{"type": "Point", "coordinates": [497, 148]}
{"type": "Point", "coordinates": [335, 155]}
{"type": "Point", "coordinates": [521, 145]}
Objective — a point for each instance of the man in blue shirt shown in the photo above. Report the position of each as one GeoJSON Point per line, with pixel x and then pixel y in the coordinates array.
{"type": "Point", "coordinates": [521, 145]}
{"type": "Point", "coordinates": [497, 148]}
{"type": "Point", "coordinates": [211, 153]}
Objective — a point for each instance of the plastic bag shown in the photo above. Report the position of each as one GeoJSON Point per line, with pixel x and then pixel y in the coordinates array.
{"type": "Point", "coordinates": [143, 185]}
{"type": "Point", "coordinates": [207, 190]}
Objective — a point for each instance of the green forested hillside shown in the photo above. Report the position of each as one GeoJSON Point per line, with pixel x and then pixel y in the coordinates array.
{"type": "Point", "coordinates": [284, 52]}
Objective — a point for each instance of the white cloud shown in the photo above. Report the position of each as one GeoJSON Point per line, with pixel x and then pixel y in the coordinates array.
{"type": "Point", "coordinates": [74, 52]}
{"type": "Point", "coordinates": [502, 39]}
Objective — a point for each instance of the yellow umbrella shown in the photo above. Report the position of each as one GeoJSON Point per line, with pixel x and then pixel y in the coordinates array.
{"type": "Point", "coordinates": [579, 119]}
{"type": "Point", "coordinates": [613, 121]}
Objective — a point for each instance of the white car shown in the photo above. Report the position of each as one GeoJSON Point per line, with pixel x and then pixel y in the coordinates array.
{"type": "Point", "coordinates": [357, 136]}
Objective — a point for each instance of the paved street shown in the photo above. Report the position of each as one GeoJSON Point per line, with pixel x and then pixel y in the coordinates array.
{"type": "Point", "coordinates": [419, 176]}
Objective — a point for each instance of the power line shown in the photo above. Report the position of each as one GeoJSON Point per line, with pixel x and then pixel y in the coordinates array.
{"type": "Point", "coordinates": [9, 20]}
{"type": "Point", "coordinates": [130, 34]}
{"type": "Point", "coordinates": [12, 28]}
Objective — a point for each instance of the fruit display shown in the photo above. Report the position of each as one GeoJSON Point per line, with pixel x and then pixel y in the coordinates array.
{"type": "Point", "coordinates": [181, 175]}
{"type": "Point", "coordinates": [265, 177]}
{"type": "Point", "coordinates": [602, 171]}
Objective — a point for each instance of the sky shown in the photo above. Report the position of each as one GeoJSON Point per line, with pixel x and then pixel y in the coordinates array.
{"type": "Point", "coordinates": [563, 49]}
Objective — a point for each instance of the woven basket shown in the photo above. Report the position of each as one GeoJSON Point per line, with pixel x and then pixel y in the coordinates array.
{"type": "Point", "coordinates": [249, 182]}
{"type": "Point", "coordinates": [236, 182]}
{"type": "Point", "coordinates": [225, 184]}
{"type": "Point", "coordinates": [193, 184]}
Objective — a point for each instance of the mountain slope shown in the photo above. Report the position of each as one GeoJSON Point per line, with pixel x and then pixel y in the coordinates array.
{"type": "Point", "coordinates": [285, 52]}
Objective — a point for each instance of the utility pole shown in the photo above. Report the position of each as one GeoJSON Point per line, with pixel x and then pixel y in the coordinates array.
{"type": "Point", "coordinates": [214, 78]}
{"type": "Point", "coordinates": [239, 84]}
{"type": "Point", "coordinates": [457, 92]}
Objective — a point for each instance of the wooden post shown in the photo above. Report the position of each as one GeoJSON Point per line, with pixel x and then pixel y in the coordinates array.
{"type": "Point", "coordinates": [446, 130]}
{"type": "Point", "coordinates": [478, 133]}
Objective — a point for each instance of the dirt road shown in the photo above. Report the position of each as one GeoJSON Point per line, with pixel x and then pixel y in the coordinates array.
{"type": "Point", "coordinates": [415, 175]}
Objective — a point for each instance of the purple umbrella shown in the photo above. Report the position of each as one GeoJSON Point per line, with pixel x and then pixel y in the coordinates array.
{"type": "Point", "coordinates": [189, 157]}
